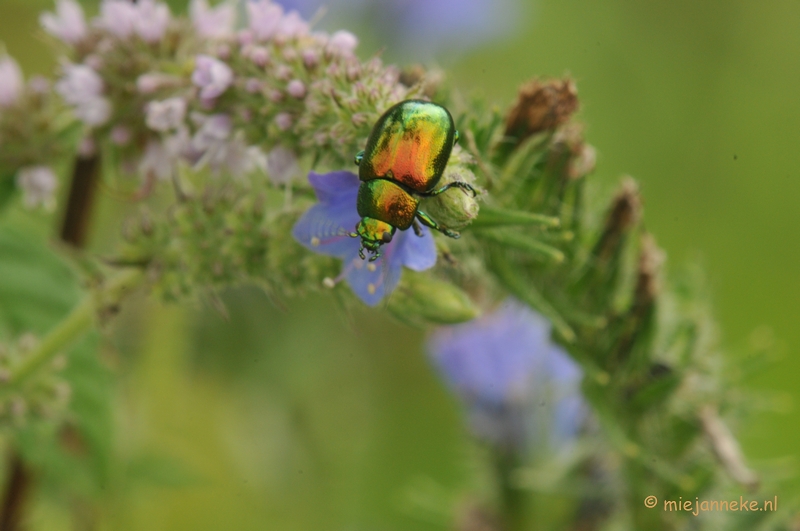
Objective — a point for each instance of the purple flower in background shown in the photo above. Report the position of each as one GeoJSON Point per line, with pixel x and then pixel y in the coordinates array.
{"type": "Point", "coordinates": [325, 229]}
{"type": "Point", "coordinates": [212, 76]}
{"type": "Point", "coordinates": [82, 88]}
{"type": "Point", "coordinates": [117, 17]}
{"type": "Point", "coordinates": [293, 25]}
{"type": "Point", "coordinates": [424, 26]}
{"type": "Point", "coordinates": [264, 18]}
{"type": "Point", "coordinates": [213, 22]}
{"type": "Point", "coordinates": [504, 367]}
{"type": "Point", "coordinates": [11, 81]}
{"type": "Point", "coordinates": [147, 18]}
{"type": "Point", "coordinates": [67, 23]}
{"type": "Point", "coordinates": [151, 21]}
{"type": "Point", "coordinates": [165, 115]}
{"type": "Point", "coordinates": [38, 185]}
{"type": "Point", "coordinates": [281, 165]}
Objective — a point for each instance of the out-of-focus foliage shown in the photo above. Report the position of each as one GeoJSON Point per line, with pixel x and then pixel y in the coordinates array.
{"type": "Point", "coordinates": [303, 419]}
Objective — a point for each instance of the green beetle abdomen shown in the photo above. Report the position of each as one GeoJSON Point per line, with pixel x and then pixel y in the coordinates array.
{"type": "Point", "coordinates": [386, 201]}
{"type": "Point", "coordinates": [409, 144]}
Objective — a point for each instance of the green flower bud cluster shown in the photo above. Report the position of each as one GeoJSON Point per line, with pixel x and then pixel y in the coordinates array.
{"type": "Point", "coordinates": [42, 398]}
{"type": "Point", "coordinates": [227, 236]}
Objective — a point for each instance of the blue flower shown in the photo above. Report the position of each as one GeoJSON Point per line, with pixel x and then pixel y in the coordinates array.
{"type": "Point", "coordinates": [505, 368]}
{"type": "Point", "coordinates": [325, 229]}
{"type": "Point", "coordinates": [422, 26]}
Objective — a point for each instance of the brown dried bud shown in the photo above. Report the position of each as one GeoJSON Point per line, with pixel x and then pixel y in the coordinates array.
{"type": "Point", "coordinates": [541, 106]}
{"type": "Point", "coordinates": [429, 80]}
{"type": "Point", "coordinates": [647, 281]}
{"type": "Point", "coordinates": [727, 449]}
{"type": "Point", "coordinates": [411, 75]}
{"type": "Point", "coordinates": [624, 214]}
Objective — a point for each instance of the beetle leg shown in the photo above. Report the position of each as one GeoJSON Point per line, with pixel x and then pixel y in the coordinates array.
{"type": "Point", "coordinates": [417, 229]}
{"type": "Point", "coordinates": [427, 220]}
{"type": "Point", "coordinates": [455, 184]}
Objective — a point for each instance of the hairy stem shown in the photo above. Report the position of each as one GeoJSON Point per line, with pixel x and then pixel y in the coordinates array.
{"type": "Point", "coordinates": [74, 325]}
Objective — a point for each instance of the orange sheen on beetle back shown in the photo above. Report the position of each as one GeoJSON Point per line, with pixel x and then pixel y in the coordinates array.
{"type": "Point", "coordinates": [410, 144]}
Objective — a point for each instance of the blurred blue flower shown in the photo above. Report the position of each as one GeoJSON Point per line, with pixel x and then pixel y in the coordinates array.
{"type": "Point", "coordinates": [506, 369]}
{"type": "Point", "coordinates": [422, 26]}
{"type": "Point", "coordinates": [325, 229]}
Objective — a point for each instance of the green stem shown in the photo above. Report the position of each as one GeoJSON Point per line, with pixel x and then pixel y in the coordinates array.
{"type": "Point", "coordinates": [513, 503]}
{"type": "Point", "coordinates": [74, 325]}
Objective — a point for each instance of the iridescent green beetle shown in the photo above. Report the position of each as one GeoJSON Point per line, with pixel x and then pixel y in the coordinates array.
{"type": "Point", "coordinates": [404, 159]}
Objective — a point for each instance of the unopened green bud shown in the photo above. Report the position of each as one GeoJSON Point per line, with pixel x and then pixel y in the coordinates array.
{"type": "Point", "coordinates": [421, 298]}
{"type": "Point", "coordinates": [455, 208]}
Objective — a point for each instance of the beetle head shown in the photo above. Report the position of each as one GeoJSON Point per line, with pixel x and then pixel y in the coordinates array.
{"type": "Point", "coordinates": [373, 234]}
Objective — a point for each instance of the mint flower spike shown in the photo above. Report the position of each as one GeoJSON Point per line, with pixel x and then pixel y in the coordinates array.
{"type": "Point", "coordinates": [325, 229]}
{"type": "Point", "coordinates": [213, 22]}
{"type": "Point", "coordinates": [67, 23]}
{"type": "Point", "coordinates": [503, 366]}
{"type": "Point", "coordinates": [11, 81]}
{"type": "Point", "coordinates": [148, 19]}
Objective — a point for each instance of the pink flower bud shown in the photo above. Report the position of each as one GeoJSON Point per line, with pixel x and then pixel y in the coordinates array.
{"type": "Point", "coordinates": [259, 55]}
{"type": "Point", "coordinates": [245, 37]}
{"type": "Point", "coordinates": [343, 43]}
{"type": "Point", "coordinates": [120, 135]}
{"type": "Point", "coordinates": [296, 89]}
{"type": "Point", "coordinates": [253, 85]}
{"type": "Point", "coordinates": [284, 121]}
{"type": "Point", "coordinates": [87, 148]}
{"type": "Point", "coordinates": [310, 58]}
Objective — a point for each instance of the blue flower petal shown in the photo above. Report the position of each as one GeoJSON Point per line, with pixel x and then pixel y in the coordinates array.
{"type": "Point", "coordinates": [504, 362]}
{"type": "Point", "coordinates": [326, 228]}
{"type": "Point", "coordinates": [417, 253]}
{"type": "Point", "coordinates": [335, 187]}
{"type": "Point", "coordinates": [372, 281]}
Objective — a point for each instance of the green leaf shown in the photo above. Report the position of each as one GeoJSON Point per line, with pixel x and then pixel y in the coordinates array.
{"type": "Point", "coordinates": [37, 290]}
{"type": "Point", "coordinates": [162, 471]}
{"type": "Point", "coordinates": [525, 291]}
{"type": "Point", "coordinates": [491, 217]}
{"type": "Point", "coordinates": [92, 386]}
{"type": "Point", "coordinates": [7, 190]}
{"type": "Point", "coordinates": [36, 287]}
{"type": "Point", "coordinates": [523, 242]}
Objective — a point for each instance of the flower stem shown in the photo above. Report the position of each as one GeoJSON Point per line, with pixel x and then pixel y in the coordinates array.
{"type": "Point", "coordinates": [513, 504]}
{"type": "Point", "coordinates": [85, 176]}
{"type": "Point", "coordinates": [74, 325]}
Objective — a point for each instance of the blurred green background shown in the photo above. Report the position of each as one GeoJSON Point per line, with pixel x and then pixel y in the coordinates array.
{"type": "Point", "coordinates": [300, 418]}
